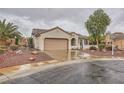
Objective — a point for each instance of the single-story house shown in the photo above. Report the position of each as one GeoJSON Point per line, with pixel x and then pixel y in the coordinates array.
{"type": "Point", "coordinates": [22, 41]}
{"type": "Point", "coordinates": [57, 39]}
{"type": "Point", "coordinates": [118, 39]}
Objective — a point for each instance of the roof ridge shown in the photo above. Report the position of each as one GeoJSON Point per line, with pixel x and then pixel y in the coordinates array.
{"type": "Point", "coordinates": [38, 29]}
{"type": "Point", "coordinates": [41, 31]}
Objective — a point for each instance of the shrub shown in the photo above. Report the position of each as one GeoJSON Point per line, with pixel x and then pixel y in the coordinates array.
{"type": "Point", "coordinates": [30, 42]}
{"type": "Point", "coordinates": [108, 48]}
{"type": "Point", "coordinates": [17, 41]}
{"type": "Point", "coordinates": [93, 48]}
{"type": "Point", "coordinates": [101, 46]}
{"type": "Point", "coordinates": [14, 47]}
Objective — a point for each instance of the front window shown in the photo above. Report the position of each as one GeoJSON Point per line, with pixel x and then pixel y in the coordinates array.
{"type": "Point", "coordinates": [73, 41]}
{"type": "Point", "coordinates": [85, 41]}
{"type": "Point", "coordinates": [81, 42]}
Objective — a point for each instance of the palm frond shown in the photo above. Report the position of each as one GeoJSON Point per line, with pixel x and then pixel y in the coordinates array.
{"type": "Point", "coordinates": [8, 30]}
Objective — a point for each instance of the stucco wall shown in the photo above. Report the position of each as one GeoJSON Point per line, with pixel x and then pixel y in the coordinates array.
{"type": "Point", "coordinates": [56, 33]}
{"type": "Point", "coordinates": [2, 42]}
{"type": "Point", "coordinates": [77, 46]}
{"type": "Point", "coordinates": [119, 43]}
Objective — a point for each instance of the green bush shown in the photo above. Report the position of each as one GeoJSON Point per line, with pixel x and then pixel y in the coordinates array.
{"type": "Point", "coordinates": [14, 47]}
{"type": "Point", "coordinates": [93, 48]}
{"type": "Point", "coordinates": [30, 42]}
{"type": "Point", "coordinates": [17, 41]}
{"type": "Point", "coordinates": [108, 48]}
{"type": "Point", "coordinates": [101, 46]}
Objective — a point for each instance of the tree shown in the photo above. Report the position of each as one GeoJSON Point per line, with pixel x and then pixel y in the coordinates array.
{"type": "Point", "coordinates": [8, 30]}
{"type": "Point", "coordinates": [30, 42]}
{"type": "Point", "coordinates": [96, 26]}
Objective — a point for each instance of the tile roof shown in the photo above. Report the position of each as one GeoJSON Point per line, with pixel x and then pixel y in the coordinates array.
{"type": "Point", "coordinates": [118, 35]}
{"type": "Point", "coordinates": [38, 32]}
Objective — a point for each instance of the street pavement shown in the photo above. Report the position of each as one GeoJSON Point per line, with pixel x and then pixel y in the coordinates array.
{"type": "Point", "coordinates": [97, 72]}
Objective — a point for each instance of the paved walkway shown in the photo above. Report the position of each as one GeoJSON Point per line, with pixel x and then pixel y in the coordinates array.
{"type": "Point", "coordinates": [107, 71]}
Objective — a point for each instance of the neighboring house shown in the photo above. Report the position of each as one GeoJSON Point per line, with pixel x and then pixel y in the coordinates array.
{"type": "Point", "coordinates": [2, 42]}
{"type": "Point", "coordinates": [108, 40]}
{"type": "Point", "coordinates": [8, 42]}
{"type": "Point", "coordinates": [22, 41]}
{"type": "Point", "coordinates": [118, 39]}
{"type": "Point", "coordinates": [57, 39]}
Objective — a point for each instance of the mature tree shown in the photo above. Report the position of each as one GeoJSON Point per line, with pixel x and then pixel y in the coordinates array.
{"type": "Point", "coordinates": [96, 25]}
{"type": "Point", "coordinates": [8, 30]}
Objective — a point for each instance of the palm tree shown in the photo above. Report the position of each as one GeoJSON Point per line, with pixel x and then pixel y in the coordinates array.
{"type": "Point", "coordinates": [8, 30]}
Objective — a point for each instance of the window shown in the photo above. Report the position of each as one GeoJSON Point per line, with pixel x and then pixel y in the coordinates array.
{"type": "Point", "coordinates": [73, 41]}
{"type": "Point", "coordinates": [81, 42]}
{"type": "Point", "coordinates": [85, 41]}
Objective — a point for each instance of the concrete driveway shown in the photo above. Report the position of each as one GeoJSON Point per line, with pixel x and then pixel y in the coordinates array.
{"type": "Point", "coordinates": [61, 57]}
{"type": "Point", "coordinates": [65, 55]}
{"type": "Point", "coordinates": [58, 57]}
{"type": "Point", "coordinates": [97, 72]}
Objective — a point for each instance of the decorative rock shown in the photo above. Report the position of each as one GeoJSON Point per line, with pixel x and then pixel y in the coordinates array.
{"type": "Point", "coordinates": [19, 52]}
{"type": "Point", "coordinates": [93, 50]}
{"type": "Point", "coordinates": [34, 52]}
{"type": "Point", "coordinates": [31, 59]}
{"type": "Point", "coordinates": [104, 50]}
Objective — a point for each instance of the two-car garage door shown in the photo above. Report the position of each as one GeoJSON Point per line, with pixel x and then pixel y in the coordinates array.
{"type": "Point", "coordinates": [55, 44]}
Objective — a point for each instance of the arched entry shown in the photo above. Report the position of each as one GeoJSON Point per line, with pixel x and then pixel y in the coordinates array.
{"type": "Point", "coordinates": [73, 42]}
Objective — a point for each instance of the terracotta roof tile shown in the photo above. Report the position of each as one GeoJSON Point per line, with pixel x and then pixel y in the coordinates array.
{"type": "Point", "coordinates": [38, 32]}
{"type": "Point", "coordinates": [118, 35]}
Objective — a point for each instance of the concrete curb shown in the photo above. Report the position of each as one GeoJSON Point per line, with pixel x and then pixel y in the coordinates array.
{"type": "Point", "coordinates": [35, 70]}
{"type": "Point", "coordinates": [48, 66]}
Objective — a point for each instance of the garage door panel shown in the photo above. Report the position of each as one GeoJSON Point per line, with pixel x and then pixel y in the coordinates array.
{"type": "Point", "coordinates": [56, 44]}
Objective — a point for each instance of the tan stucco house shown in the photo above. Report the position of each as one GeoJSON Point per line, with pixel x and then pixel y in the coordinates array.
{"type": "Point", "coordinates": [57, 39]}
{"type": "Point", "coordinates": [118, 39]}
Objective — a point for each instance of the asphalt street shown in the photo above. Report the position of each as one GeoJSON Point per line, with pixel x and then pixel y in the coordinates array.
{"type": "Point", "coordinates": [97, 72]}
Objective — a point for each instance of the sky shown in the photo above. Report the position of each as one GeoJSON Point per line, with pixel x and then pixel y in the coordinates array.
{"type": "Point", "coordinates": [69, 19]}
